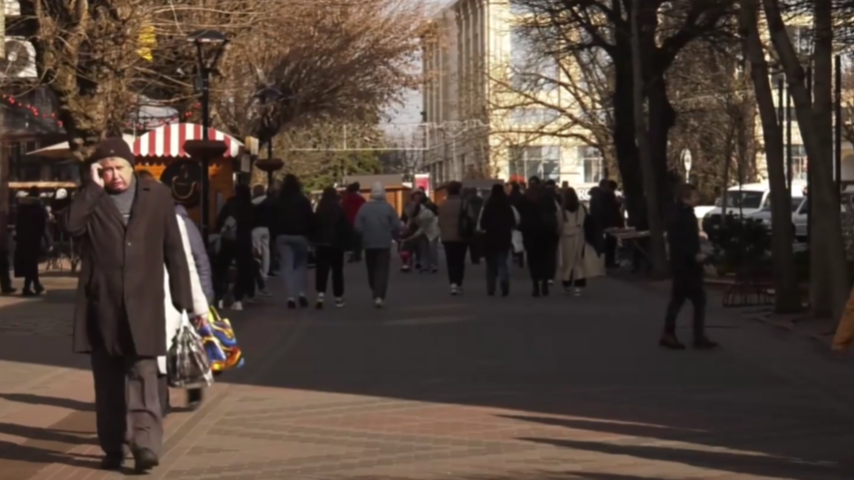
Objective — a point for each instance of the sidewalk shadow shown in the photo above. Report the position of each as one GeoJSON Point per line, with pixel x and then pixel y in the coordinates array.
{"type": "Point", "coordinates": [51, 401]}
{"type": "Point", "coordinates": [41, 435]}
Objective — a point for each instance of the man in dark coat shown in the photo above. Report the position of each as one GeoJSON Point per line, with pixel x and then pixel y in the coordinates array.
{"type": "Point", "coordinates": [127, 231]}
{"type": "Point", "coordinates": [31, 241]}
{"type": "Point", "coordinates": [686, 263]}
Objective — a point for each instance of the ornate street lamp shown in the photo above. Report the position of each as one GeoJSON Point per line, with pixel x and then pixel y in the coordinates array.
{"type": "Point", "coordinates": [210, 46]}
{"type": "Point", "coordinates": [269, 127]}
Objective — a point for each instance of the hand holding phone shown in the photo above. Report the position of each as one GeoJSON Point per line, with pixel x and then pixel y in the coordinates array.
{"type": "Point", "coordinates": [95, 173]}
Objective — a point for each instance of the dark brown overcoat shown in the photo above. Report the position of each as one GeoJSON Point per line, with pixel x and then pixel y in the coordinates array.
{"type": "Point", "coordinates": [121, 278]}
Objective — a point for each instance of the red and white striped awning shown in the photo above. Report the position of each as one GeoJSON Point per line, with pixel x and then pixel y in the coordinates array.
{"type": "Point", "coordinates": [168, 141]}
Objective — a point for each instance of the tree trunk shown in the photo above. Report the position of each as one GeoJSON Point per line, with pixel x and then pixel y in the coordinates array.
{"type": "Point", "coordinates": [815, 125]}
{"type": "Point", "coordinates": [656, 228]}
{"type": "Point", "coordinates": [786, 297]}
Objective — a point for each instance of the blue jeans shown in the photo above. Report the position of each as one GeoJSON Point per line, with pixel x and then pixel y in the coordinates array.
{"type": "Point", "coordinates": [293, 262]}
{"type": "Point", "coordinates": [497, 268]}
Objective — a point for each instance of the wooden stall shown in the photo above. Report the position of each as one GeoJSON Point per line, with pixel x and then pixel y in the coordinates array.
{"type": "Point", "coordinates": [396, 193]}
{"type": "Point", "coordinates": [161, 152]}
{"type": "Point", "coordinates": [482, 185]}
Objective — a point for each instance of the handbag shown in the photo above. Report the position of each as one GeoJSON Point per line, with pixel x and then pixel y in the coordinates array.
{"type": "Point", "coordinates": [187, 363]}
{"type": "Point", "coordinates": [220, 343]}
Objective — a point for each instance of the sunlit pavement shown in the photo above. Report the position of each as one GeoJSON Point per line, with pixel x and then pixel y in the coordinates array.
{"type": "Point", "coordinates": [465, 387]}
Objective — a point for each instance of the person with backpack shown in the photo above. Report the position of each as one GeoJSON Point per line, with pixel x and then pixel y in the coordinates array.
{"type": "Point", "coordinates": [456, 229]}
{"type": "Point", "coordinates": [332, 237]}
{"type": "Point", "coordinates": [235, 223]}
{"type": "Point", "coordinates": [539, 227]}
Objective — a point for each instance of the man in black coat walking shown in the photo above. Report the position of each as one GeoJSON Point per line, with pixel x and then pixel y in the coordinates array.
{"type": "Point", "coordinates": [686, 261]}
{"type": "Point", "coordinates": [127, 230]}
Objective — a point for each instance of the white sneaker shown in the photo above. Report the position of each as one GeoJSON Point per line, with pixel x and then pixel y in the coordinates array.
{"type": "Point", "coordinates": [378, 302]}
{"type": "Point", "coordinates": [237, 306]}
{"type": "Point", "coordinates": [339, 302]}
{"type": "Point", "coordinates": [318, 303]}
{"type": "Point", "coordinates": [220, 305]}
{"type": "Point", "coordinates": [551, 282]}
{"type": "Point", "coordinates": [576, 292]}
{"type": "Point", "coordinates": [454, 289]}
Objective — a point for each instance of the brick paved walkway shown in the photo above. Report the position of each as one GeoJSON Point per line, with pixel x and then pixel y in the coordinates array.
{"type": "Point", "coordinates": [465, 388]}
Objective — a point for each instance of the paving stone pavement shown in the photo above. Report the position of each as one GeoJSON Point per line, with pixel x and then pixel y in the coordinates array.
{"type": "Point", "coordinates": [469, 388]}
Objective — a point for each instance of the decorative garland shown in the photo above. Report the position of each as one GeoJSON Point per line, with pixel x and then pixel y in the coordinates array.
{"type": "Point", "coordinates": [155, 122]}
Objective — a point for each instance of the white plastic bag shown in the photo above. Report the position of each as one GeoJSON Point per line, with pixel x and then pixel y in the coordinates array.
{"type": "Point", "coordinates": [187, 362]}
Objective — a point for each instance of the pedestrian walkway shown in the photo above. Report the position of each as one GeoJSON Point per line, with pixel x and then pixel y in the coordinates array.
{"type": "Point", "coordinates": [468, 388]}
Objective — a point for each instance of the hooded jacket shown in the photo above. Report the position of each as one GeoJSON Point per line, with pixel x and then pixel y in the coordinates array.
{"type": "Point", "coordinates": [377, 221]}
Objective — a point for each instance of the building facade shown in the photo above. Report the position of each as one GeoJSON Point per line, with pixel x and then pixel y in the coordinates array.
{"type": "Point", "coordinates": [480, 117]}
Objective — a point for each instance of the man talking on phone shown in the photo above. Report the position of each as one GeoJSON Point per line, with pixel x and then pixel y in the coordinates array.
{"type": "Point", "coordinates": [128, 232]}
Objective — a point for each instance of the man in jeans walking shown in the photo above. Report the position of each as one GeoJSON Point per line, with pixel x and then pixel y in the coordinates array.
{"type": "Point", "coordinates": [378, 224]}
{"type": "Point", "coordinates": [683, 235]}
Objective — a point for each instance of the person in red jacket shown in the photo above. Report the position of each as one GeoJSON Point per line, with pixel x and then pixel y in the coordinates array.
{"type": "Point", "coordinates": [351, 203]}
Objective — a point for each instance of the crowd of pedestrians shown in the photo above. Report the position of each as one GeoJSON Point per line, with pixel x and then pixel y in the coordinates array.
{"type": "Point", "coordinates": [131, 230]}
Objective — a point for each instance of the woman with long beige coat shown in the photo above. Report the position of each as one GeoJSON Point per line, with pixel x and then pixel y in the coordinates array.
{"type": "Point", "coordinates": [579, 260]}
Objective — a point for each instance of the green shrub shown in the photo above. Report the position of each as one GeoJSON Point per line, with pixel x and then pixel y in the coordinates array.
{"type": "Point", "coordinates": [738, 241]}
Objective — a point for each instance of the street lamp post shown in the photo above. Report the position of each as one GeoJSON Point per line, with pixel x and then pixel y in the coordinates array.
{"type": "Point", "coordinates": [210, 46]}
{"type": "Point", "coordinates": [266, 97]}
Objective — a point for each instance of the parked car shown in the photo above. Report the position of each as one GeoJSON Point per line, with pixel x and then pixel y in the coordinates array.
{"type": "Point", "coordinates": [745, 200]}
{"type": "Point", "coordinates": [800, 213]}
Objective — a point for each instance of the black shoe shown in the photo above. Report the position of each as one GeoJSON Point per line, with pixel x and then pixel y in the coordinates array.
{"type": "Point", "coordinates": [8, 291]}
{"type": "Point", "coordinates": [505, 289]}
{"type": "Point", "coordinates": [490, 289]}
{"type": "Point", "coordinates": [303, 302]}
{"type": "Point", "coordinates": [27, 293]}
{"type": "Point", "coordinates": [39, 289]}
{"type": "Point", "coordinates": [536, 292]}
{"type": "Point", "coordinates": [669, 340]}
{"type": "Point", "coordinates": [112, 462]}
{"type": "Point", "coordinates": [292, 304]}
{"type": "Point", "coordinates": [144, 460]}
{"type": "Point", "coordinates": [703, 343]}
{"type": "Point", "coordinates": [545, 289]}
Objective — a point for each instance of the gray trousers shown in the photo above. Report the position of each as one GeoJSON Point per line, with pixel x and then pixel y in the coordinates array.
{"type": "Point", "coordinates": [378, 260]}
{"type": "Point", "coordinates": [127, 403]}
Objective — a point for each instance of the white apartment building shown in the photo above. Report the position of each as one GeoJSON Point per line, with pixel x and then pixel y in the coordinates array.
{"type": "Point", "coordinates": [470, 131]}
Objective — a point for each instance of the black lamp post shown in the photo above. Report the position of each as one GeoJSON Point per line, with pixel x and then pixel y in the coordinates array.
{"type": "Point", "coordinates": [209, 48]}
{"type": "Point", "coordinates": [268, 96]}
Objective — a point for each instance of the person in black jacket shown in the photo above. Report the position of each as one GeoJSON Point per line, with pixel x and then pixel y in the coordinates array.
{"type": "Point", "coordinates": [539, 229]}
{"type": "Point", "coordinates": [332, 235]}
{"type": "Point", "coordinates": [497, 223]}
{"type": "Point", "coordinates": [235, 223]}
{"type": "Point", "coordinates": [686, 262]}
{"type": "Point", "coordinates": [292, 229]}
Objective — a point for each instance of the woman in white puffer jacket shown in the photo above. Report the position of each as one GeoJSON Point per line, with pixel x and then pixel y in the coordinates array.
{"type": "Point", "coordinates": [173, 316]}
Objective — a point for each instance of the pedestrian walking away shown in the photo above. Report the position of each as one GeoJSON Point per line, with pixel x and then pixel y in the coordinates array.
{"type": "Point", "coordinates": [235, 222]}
{"type": "Point", "coordinates": [352, 202]}
{"type": "Point", "coordinates": [378, 224]}
{"type": "Point", "coordinates": [426, 235]}
{"type": "Point", "coordinates": [497, 222]}
{"type": "Point", "coordinates": [261, 240]}
{"type": "Point", "coordinates": [539, 227]}
{"type": "Point", "coordinates": [294, 225]}
{"type": "Point", "coordinates": [456, 228]}
{"type": "Point", "coordinates": [473, 206]}
{"type": "Point", "coordinates": [129, 233]}
{"type": "Point", "coordinates": [332, 237]}
{"type": "Point", "coordinates": [686, 263]}
{"type": "Point", "coordinates": [32, 240]}
{"type": "Point", "coordinates": [580, 261]}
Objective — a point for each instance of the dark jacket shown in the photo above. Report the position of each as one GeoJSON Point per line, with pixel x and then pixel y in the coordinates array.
{"type": "Point", "coordinates": [31, 237]}
{"type": "Point", "coordinates": [265, 213]}
{"type": "Point", "coordinates": [683, 237]}
{"type": "Point", "coordinates": [119, 297]}
{"type": "Point", "coordinates": [331, 228]}
{"type": "Point", "coordinates": [539, 221]}
{"type": "Point", "coordinates": [294, 216]}
{"type": "Point", "coordinates": [199, 252]}
{"type": "Point", "coordinates": [497, 223]}
{"type": "Point", "coordinates": [243, 212]}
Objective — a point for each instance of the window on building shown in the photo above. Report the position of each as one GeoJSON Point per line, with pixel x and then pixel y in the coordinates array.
{"type": "Point", "coordinates": [802, 39]}
{"type": "Point", "coordinates": [541, 161]}
{"type": "Point", "coordinates": [530, 70]}
{"type": "Point", "coordinates": [593, 164]}
{"type": "Point", "coordinates": [799, 162]}
{"type": "Point", "coordinates": [533, 116]}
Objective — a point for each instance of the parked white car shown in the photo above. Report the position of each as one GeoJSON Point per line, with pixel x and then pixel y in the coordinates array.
{"type": "Point", "coordinates": [746, 200]}
{"type": "Point", "coordinates": [800, 213]}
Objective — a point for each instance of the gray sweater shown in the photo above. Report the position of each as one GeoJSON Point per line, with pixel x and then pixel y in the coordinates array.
{"type": "Point", "coordinates": [377, 222]}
